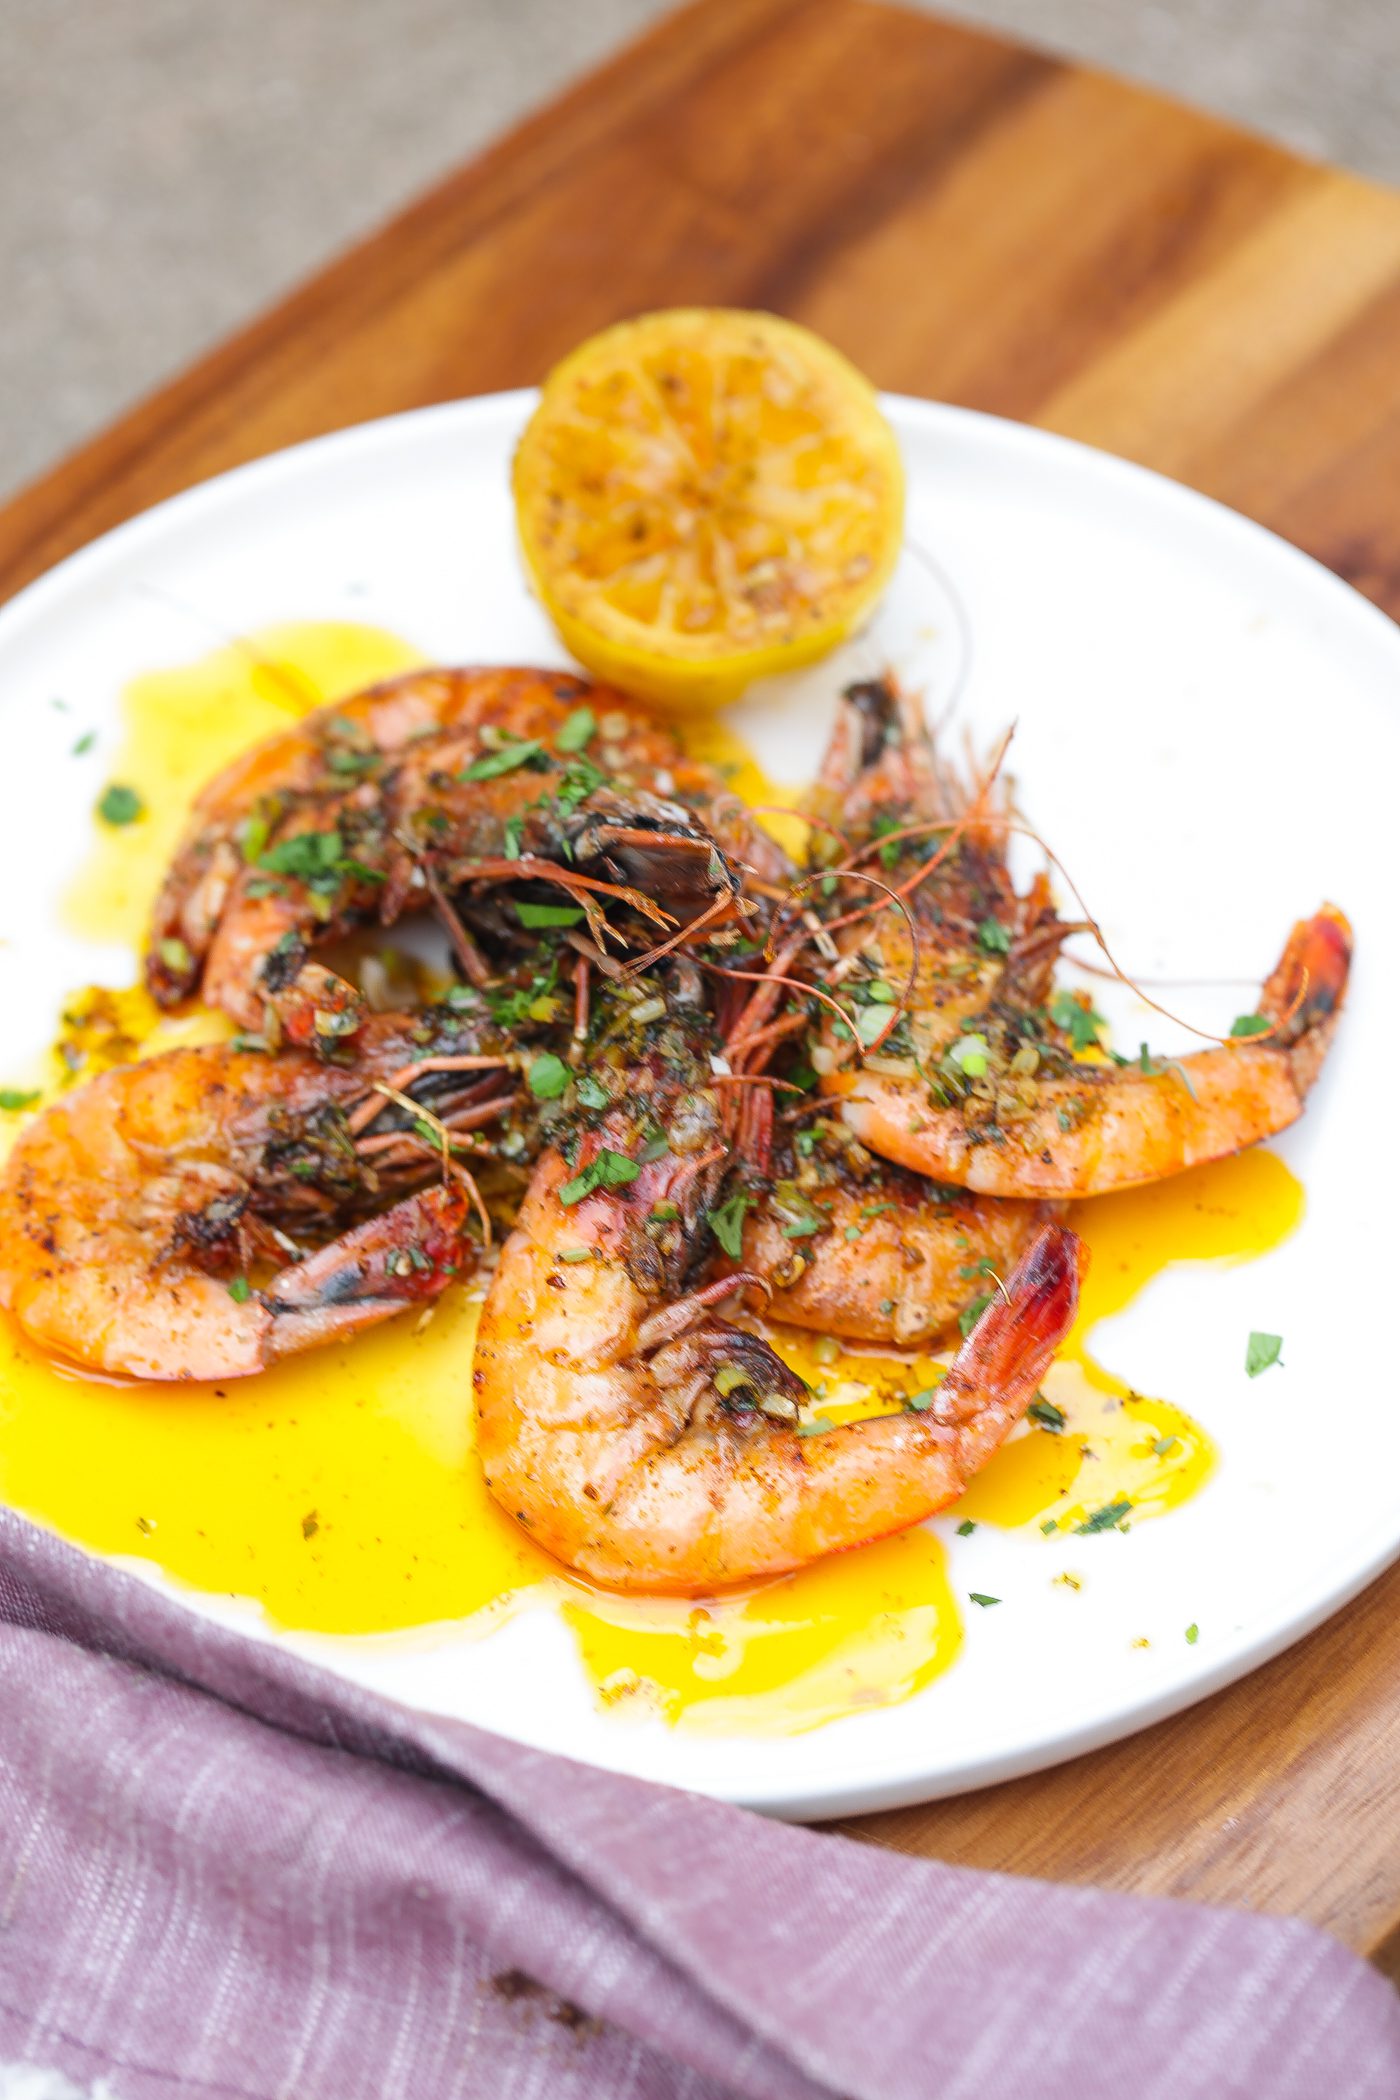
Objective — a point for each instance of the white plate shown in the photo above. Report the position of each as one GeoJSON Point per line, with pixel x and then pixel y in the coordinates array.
{"type": "Point", "coordinates": [1208, 729]}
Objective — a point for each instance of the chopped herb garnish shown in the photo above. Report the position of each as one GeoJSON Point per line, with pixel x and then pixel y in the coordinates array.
{"type": "Point", "coordinates": [539, 916]}
{"type": "Point", "coordinates": [1046, 1413]}
{"type": "Point", "coordinates": [492, 764]}
{"type": "Point", "coordinates": [973, 1311]}
{"type": "Point", "coordinates": [976, 1597]}
{"type": "Point", "coordinates": [923, 1400]}
{"type": "Point", "coordinates": [573, 1254]}
{"type": "Point", "coordinates": [1192, 1634]}
{"type": "Point", "coordinates": [577, 731]}
{"type": "Point", "coordinates": [802, 1228]}
{"type": "Point", "coordinates": [85, 743]}
{"type": "Point", "coordinates": [239, 1290]}
{"type": "Point", "coordinates": [304, 856]}
{"type": "Point", "coordinates": [548, 1077]}
{"type": "Point", "coordinates": [1050, 1524]}
{"type": "Point", "coordinates": [12, 1099]}
{"type": "Point", "coordinates": [514, 834]}
{"type": "Point", "coordinates": [966, 1528]}
{"type": "Point", "coordinates": [317, 858]}
{"type": "Point", "coordinates": [610, 1170]}
{"type": "Point", "coordinates": [993, 936]}
{"type": "Point", "coordinates": [1105, 1519]}
{"type": "Point", "coordinates": [591, 1092]}
{"type": "Point", "coordinates": [1250, 1024]}
{"type": "Point", "coordinates": [1263, 1350]}
{"type": "Point", "coordinates": [1163, 1445]}
{"type": "Point", "coordinates": [727, 1223]}
{"type": "Point", "coordinates": [1079, 1021]}
{"type": "Point", "coordinates": [175, 955]}
{"type": "Point", "coordinates": [120, 805]}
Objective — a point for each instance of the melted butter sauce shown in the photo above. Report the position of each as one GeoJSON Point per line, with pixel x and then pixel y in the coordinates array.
{"type": "Point", "coordinates": [340, 1492]}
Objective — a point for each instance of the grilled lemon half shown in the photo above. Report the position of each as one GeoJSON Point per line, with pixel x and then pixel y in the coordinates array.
{"type": "Point", "coordinates": [705, 496]}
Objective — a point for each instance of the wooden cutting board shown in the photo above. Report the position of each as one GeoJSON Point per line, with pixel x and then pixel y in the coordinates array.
{"type": "Point", "coordinates": [973, 221]}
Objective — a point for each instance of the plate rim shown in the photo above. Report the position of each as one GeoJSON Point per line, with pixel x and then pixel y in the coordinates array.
{"type": "Point", "coordinates": [829, 1790]}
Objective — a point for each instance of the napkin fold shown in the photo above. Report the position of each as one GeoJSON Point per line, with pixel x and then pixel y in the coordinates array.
{"type": "Point", "coordinates": [224, 1872]}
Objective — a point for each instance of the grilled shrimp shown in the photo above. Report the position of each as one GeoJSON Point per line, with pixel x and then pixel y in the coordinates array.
{"type": "Point", "coordinates": [979, 1084]}
{"type": "Point", "coordinates": [1093, 1129]}
{"type": "Point", "coordinates": [652, 1444]}
{"type": "Point", "coordinates": [132, 1210]}
{"type": "Point", "coordinates": [852, 1246]}
{"type": "Point", "coordinates": [409, 791]}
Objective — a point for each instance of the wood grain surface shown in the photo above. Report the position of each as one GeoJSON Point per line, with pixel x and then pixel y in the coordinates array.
{"type": "Point", "coordinates": [976, 222]}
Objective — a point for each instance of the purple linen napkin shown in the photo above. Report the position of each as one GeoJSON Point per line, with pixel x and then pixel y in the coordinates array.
{"type": "Point", "coordinates": [225, 1872]}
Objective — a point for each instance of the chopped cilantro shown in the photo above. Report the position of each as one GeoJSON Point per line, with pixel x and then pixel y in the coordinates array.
{"type": "Point", "coordinates": [1079, 1021]}
{"type": "Point", "coordinates": [610, 1170]}
{"type": "Point", "coordinates": [976, 1597]}
{"type": "Point", "coordinates": [923, 1400]}
{"type": "Point", "coordinates": [1263, 1350]}
{"type": "Point", "coordinates": [577, 731]}
{"type": "Point", "coordinates": [591, 1092]}
{"type": "Point", "coordinates": [973, 1311]}
{"type": "Point", "coordinates": [727, 1223]}
{"type": "Point", "coordinates": [538, 916]}
{"type": "Point", "coordinates": [306, 855]}
{"type": "Point", "coordinates": [120, 805]}
{"type": "Point", "coordinates": [317, 858]}
{"type": "Point", "coordinates": [13, 1098]}
{"type": "Point", "coordinates": [966, 1528]}
{"type": "Point", "coordinates": [1105, 1519]}
{"type": "Point", "coordinates": [239, 1290]}
{"type": "Point", "coordinates": [85, 743]}
{"type": "Point", "coordinates": [492, 764]}
{"type": "Point", "coordinates": [547, 1077]}
{"type": "Point", "coordinates": [1046, 1413]}
{"type": "Point", "coordinates": [1192, 1634]}
{"type": "Point", "coordinates": [512, 838]}
{"type": "Point", "coordinates": [1250, 1024]}
{"type": "Point", "coordinates": [993, 937]}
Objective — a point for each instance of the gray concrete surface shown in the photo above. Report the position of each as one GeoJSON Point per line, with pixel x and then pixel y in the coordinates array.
{"type": "Point", "coordinates": [168, 166]}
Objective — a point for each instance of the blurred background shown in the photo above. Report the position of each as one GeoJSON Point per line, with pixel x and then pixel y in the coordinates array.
{"type": "Point", "coordinates": [167, 168]}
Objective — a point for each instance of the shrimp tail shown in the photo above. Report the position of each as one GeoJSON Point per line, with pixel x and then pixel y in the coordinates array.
{"type": "Point", "coordinates": [994, 1376]}
{"type": "Point", "coordinates": [408, 1255]}
{"type": "Point", "coordinates": [1304, 995]}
